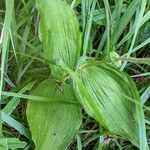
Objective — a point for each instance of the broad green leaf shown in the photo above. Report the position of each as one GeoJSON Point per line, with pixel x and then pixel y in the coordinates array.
{"type": "Point", "coordinates": [53, 125]}
{"type": "Point", "coordinates": [108, 95]}
{"type": "Point", "coordinates": [59, 32]}
{"type": "Point", "coordinates": [105, 88]}
{"type": "Point", "coordinates": [11, 143]}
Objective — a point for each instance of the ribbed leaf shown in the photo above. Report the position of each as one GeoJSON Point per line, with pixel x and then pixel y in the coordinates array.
{"type": "Point", "coordinates": [53, 125]}
{"type": "Point", "coordinates": [59, 32]}
{"type": "Point", "coordinates": [109, 99]}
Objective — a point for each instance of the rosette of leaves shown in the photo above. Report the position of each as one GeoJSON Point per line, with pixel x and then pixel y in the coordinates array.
{"type": "Point", "coordinates": [53, 124]}
{"type": "Point", "coordinates": [59, 33]}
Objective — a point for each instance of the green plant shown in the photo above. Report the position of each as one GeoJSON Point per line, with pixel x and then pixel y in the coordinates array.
{"type": "Point", "coordinates": [100, 90]}
{"type": "Point", "coordinates": [69, 55]}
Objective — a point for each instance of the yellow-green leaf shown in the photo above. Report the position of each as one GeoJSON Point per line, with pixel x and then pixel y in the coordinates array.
{"type": "Point", "coordinates": [107, 95]}
{"type": "Point", "coordinates": [59, 32]}
{"type": "Point", "coordinates": [53, 125]}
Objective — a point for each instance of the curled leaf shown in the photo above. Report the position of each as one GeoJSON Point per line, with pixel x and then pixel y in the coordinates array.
{"type": "Point", "coordinates": [53, 125]}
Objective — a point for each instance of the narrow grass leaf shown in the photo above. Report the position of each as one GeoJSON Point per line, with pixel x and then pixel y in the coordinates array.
{"type": "Point", "coordinates": [138, 60]}
{"type": "Point", "coordinates": [137, 27]}
{"type": "Point", "coordinates": [88, 25]}
{"type": "Point", "coordinates": [5, 41]}
{"type": "Point", "coordinates": [11, 143]}
{"type": "Point", "coordinates": [142, 74]}
{"type": "Point", "coordinates": [38, 98]}
{"type": "Point", "coordinates": [123, 21]}
{"type": "Point", "coordinates": [16, 125]}
{"type": "Point", "coordinates": [141, 45]}
{"type": "Point", "coordinates": [13, 103]}
{"type": "Point", "coordinates": [108, 29]}
{"type": "Point", "coordinates": [145, 18]}
{"type": "Point", "coordinates": [145, 96]}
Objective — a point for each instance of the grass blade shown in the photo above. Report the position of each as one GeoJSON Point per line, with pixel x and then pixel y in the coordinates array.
{"type": "Point", "coordinates": [13, 103]}
{"type": "Point", "coordinates": [123, 21]}
{"type": "Point", "coordinates": [5, 41]}
{"type": "Point", "coordinates": [108, 21]}
{"type": "Point", "coordinates": [138, 23]}
{"type": "Point", "coordinates": [16, 125]}
{"type": "Point", "coordinates": [145, 96]}
{"type": "Point", "coordinates": [88, 25]}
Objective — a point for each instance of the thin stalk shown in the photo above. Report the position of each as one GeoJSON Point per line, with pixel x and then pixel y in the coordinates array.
{"type": "Point", "coordinates": [107, 10]}
{"type": "Point", "coordinates": [88, 28]}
